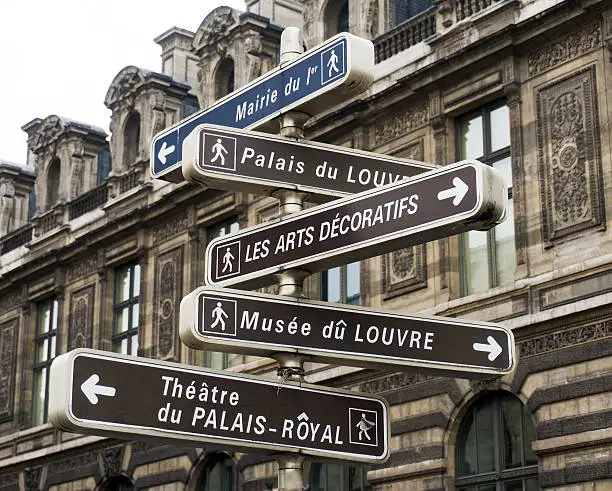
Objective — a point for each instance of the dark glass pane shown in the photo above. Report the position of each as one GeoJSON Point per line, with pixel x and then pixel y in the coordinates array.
{"type": "Point", "coordinates": [134, 345]}
{"type": "Point", "coordinates": [122, 284]}
{"type": "Point", "coordinates": [343, 18]}
{"type": "Point", "coordinates": [334, 477]}
{"type": "Point", "coordinates": [485, 437]}
{"type": "Point", "coordinates": [136, 287]}
{"type": "Point", "coordinates": [316, 477]}
{"type": "Point", "coordinates": [44, 317]}
{"type": "Point", "coordinates": [487, 487]}
{"type": "Point", "coordinates": [505, 251]}
{"type": "Point", "coordinates": [331, 285]}
{"type": "Point", "coordinates": [468, 488]}
{"type": "Point", "coordinates": [54, 311]}
{"type": "Point", "coordinates": [122, 320]}
{"type": "Point", "coordinates": [511, 432]}
{"type": "Point", "coordinates": [513, 486]}
{"type": "Point", "coordinates": [500, 128]}
{"type": "Point", "coordinates": [39, 396]}
{"type": "Point", "coordinates": [531, 484]}
{"type": "Point", "coordinates": [466, 447]}
{"type": "Point", "coordinates": [356, 476]}
{"type": "Point", "coordinates": [42, 350]}
{"type": "Point", "coordinates": [529, 435]}
{"type": "Point", "coordinates": [353, 283]}
{"type": "Point", "coordinates": [476, 261]}
{"type": "Point", "coordinates": [471, 138]}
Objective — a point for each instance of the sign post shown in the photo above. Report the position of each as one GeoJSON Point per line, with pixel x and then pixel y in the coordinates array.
{"type": "Point", "coordinates": [338, 69]}
{"type": "Point", "coordinates": [129, 397]}
{"type": "Point", "coordinates": [457, 198]}
{"type": "Point", "coordinates": [221, 319]}
{"type": "Point", "coordinates": [239, 160]}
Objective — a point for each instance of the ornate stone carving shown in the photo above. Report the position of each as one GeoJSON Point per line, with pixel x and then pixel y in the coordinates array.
{"type": "Point", "coordinates": [404, 271]}
{"type": "Point", "coordinates": [167, 298]}
{"type": "Point", "coordinates": [8, 343]}
{"type": "Point", "coordinates": [253, 48]}
{"type": "Point", "coordinates": [564, 339]}
{"type": "Point", "coordinates": [111, 460]}
{"type": "Point", "coordinates": [74, 462]}
{"type": "Point", "coordinates": [81, 318]}
{"type": "Point", "coordinates": [393, 381]}
{"type": "Point", "coordinates": [158, 104]}
{"type": "Point", "coordinates": [567, 48]}
{"type": "Point", "coordinates": [11, 300]}
{"type": "Point", "coordinates": [87, 266]}
{"type": "Point", "coordinates": [76, 179]}
{"type": "Point", "coordinates": [6, 214]}
{"type": "Point", "coordinates": [399, 125]}
{"type": "Point", "coordinates": [31, 478]}
{"type": "Point", "coordinates": [47, 133]}
{"type": "Point", "coordinates": [215, 26]}
{"type": "Point", "coordinates": [569, 155]}
{"type": "Point", "coordinates": [10, 479]}
{"type": "Point", "coordinates": [170, 228]}
{"type": "Point", "coordinates": [371, 18]}
{"type": "Point", "coordinates": [124, 85]}
{"type": "Point", "coordinates": [490, 384]}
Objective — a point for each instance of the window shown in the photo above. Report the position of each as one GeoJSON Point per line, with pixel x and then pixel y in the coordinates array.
{"type": "Point", "coordinates": [215, 359]}
{"type": "Point", "coordinates": [336, 477]}
{"type": "Point", "coordinates": [224, 78]}
{"type": "Point", "coordinates": [126, 310]}
{"type": "Point", "coordinates": [341, 284]}
{"type": "Point", "coordinates": [217, 475]}
{"type": "Point", "coordinates": [336, 17]}
{"type": "Point", "coordinates": [407, 9]}
{"type": "Point", "coordinates": [119, 483]}
{"type": "Point", "coordinates": [493, 450]}
{"type": "Point", "coordinates": [488, 258]}
{"type": "Point", "coordinates": [45, 350]}
{"type": "Point", "coordinates": [131, 139]}
{"type": "Point", "coordinates": [53, 182]}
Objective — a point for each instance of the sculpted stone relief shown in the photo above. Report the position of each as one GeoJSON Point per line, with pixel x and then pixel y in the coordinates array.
{"type": "Point", "coordinates": [168, 295]}
{"type": "Point", "coordinates": [47, 133]}
{"type": "Point", "coordinates": [214, 28]}
{"type": "Point", "coordinates": [404, 271]}
{"type": "Point", "coordinates": [124, 85]}
{"type": "Point", "coordinates": [8, 339]}
{"type": "Point", "coordinates": [569, 155]}
{"type": "Point", "coordinates": [399, 125]}
{"type": "Point", "coordinates": [81, 319]}
{"type": "Point", "coordinates": [567, 48]}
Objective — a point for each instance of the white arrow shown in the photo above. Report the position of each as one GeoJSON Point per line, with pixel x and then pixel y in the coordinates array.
{"type": "Point", "coordinates": [92, 390]}
{"type": "Point", "coordinates": [164, 151]}
{"type": "Point", "coordinates": [493, 348]}
{"type": "Point", "coordinates": [457, 192]}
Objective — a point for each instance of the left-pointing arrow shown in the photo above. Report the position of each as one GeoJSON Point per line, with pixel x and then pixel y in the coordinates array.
{"type": "Point", "coordinates": [164, 151]}
{"type": "Point", "coordinates": [92, 390]}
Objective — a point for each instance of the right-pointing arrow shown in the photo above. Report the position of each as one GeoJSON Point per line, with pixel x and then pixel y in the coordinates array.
{"type": "Point", "coordinates": [457, 192]}
{"type": "Point", "coordinates": [92, 390]}
{"type": "Point", "coordinates": [492, 347]}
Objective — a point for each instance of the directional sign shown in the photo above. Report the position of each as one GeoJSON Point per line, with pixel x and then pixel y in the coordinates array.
{"type": "Point", "coordinates": [337, 70]}
{"type": "Point", "coordinates": [239, 160]}
{"type": "Point", "coordinates": [460, 197]}
{"type": "Point", "coordinates": [102, 393]}
{"type": "Point", "coordinates": [221, 319]}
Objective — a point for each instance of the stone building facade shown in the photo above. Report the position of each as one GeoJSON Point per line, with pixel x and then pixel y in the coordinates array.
{"type": "Point", "coordinates": [106, 253]}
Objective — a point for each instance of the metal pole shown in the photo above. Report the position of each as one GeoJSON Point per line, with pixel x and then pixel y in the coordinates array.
{"type": "Point", "coordinates": [291, 282]}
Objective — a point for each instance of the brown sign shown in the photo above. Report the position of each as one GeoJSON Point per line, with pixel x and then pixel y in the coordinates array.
{"type": "Point", "coordinates": [221, 319]}
{"type": "Point", "coordinates": [101, 393]}
{"type": "Point", "coordinates": [457, 198]}
{"type": "Point", "coordinates": [241, 160]}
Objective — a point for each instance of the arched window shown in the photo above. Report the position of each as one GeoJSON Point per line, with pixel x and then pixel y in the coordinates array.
{"type": "Point", "coordinates": [337, 477]}
{"type": "Point", "coordinates": [336, 17]}
{"type": "Point", "coordinates": [224, 78]}
{"type": "Point", "coordinates": [131, 139]}
{"type": "Point", "coordinates": [119, 483]}
{"type": "Point", "coordinates": [53, 182]}
{"type": "Point", "coordinates": [217, 474]}
{"type": "Point", "coordinates": [493, 450]}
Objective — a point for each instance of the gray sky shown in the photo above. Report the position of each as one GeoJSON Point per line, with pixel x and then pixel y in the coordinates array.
{"type": "Point", "coordinates": [60, 56]}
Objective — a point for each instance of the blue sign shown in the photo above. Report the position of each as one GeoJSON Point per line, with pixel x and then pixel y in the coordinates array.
{"type": "Point", "coordinates": [280, 90]}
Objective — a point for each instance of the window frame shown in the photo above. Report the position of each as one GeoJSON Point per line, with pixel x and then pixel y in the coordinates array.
{"type": "Point", "coordinates": [118, 337]}
{"type": "Point", "coordinates": [500, 475]}
{"type": "Point", "coordinates": [489, 158]}
{"type": "Point", "coordinates": [41, 366]}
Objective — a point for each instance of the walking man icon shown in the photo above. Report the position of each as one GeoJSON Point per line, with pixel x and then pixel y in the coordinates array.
{"type": "Point", "coordinates": [218, 313]}
{"type": "Point", "coordinates": [332, 63]}
{"type": "Point", "coordinates": [364, 426]}
{"type": "Point", "coordinates": [218, 150]}
{"type": "Point", "coordinates": [228, 257]}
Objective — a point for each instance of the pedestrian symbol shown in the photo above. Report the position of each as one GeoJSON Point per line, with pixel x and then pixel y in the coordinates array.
{"type": "Point", "coordinates": [228, 260]}
{"type": "Point", "coordinates": [219, 316]}
{"type": "Point", "coordinates": [333, 63]}
{"type": "Point", "coordinates": [363, 427]}
{"type": "Point", "coordinates": [218, 151]}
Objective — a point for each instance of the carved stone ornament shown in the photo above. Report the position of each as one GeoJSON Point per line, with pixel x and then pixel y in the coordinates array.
{"type": "Point", "coordinates": [31, 478]}
{"type": "Point", "coordinates": [87, 266]}
{"type": "Point", "coordinates": [569, 155]}
{"type": "Point", "coordinates": [393, 381]}
{"type": "Point", "coordinates": [170, 228]}
{"type": "Point", "coordinates": [11, 300]}
{"type": "Point", "coordinates": [47, 133]}
{"type": "Point", "coordinates": [167, 298]}
{"type": "Point", "coordinates": [81, 319]}
{"type": "Point", "coordinates": [215, 26]}
{"type": "Point", "coordinates": [371, 18]}
{"type": "Point", "coordinates": [124, 85]}
{"type": "Point", "coordinates": [567, 48]}
{"type": "Point", "coordinates": [77, 178]}
{"type": "Point", "coordinates": [565, 339]}
{"type": "Point", "coordinates": [400, 125]}
{"type": "Point", "coordinates": [404, 271]}
{"type": "Point", "coordinates": [111, 460]}
{"type": "Point", "coordinates": [8, 343]}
